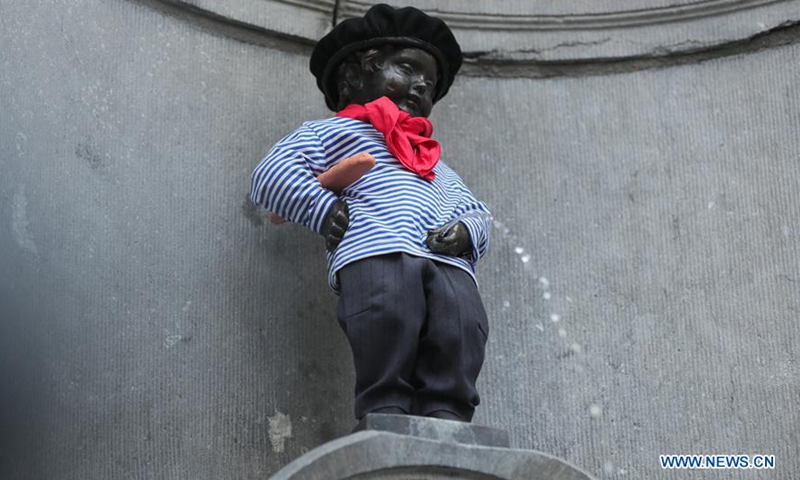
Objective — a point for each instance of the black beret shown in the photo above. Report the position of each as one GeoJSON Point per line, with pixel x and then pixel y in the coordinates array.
{"type": "Point", "coordinates": [381, 25]}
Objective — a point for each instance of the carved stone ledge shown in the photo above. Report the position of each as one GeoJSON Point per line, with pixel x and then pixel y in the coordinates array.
{"type": "Point", "coordinates": [529, 39]}
{"type": "Point", "coordinates": [303, 19]}
{"type": "Point", "coordinates": [457, 453]}
{"type": "Point", "coordinates": [444, 430]}
{"type": "Point", "coordinates": [521, 31]}
{"type": "Point", "coordinates": [496, 36]}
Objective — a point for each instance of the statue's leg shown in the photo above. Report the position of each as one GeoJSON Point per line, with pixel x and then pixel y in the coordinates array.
{"type": "Point", "coordinates": [381, 310]}
{"type": "Point", "coordinates": [451, 346]}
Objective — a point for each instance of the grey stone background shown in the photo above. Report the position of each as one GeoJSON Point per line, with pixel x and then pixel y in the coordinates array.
{"type": "Point", "coordinates": [642, 285]}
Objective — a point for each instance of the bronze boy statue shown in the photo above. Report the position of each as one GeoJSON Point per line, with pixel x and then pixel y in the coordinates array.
{"type": "Point", "coordinates": [404, 238]}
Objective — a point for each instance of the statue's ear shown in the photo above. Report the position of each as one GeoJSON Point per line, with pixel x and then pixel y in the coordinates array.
{"type": "Point", "coordinates": [370, 60]}
{"type": "Point", "coordinates": [349, 80]}
{"type": "Point", "coordinates": [353, 76]}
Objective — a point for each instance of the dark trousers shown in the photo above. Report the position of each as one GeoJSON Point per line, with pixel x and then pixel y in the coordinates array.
{"type": "Point", "coordinates": [418, 332]}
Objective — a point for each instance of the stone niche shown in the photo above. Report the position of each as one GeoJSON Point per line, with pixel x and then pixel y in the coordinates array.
{"type": "Point", "coordinates": [547, 30]}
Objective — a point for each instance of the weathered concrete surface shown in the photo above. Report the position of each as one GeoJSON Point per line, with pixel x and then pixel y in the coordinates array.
{"type": "Point", "coordinates": [434, 429]}
{"type": "Point", "coordinates": [153, 326]}
{"type": "Point", "coordinates": [375, 455]}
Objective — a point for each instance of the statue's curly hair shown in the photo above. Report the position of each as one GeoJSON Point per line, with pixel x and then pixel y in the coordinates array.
{"type": "Point", "coordinates": [349, 72]}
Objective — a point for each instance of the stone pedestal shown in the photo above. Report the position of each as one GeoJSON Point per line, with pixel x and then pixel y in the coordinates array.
{"type": "Point", "coordinates": [399, 447]}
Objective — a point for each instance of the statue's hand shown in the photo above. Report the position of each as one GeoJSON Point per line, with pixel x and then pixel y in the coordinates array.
{"type": "Point", "coordinates": [455, 242]}
{"type": "Point", "coordinates": [335, 225]}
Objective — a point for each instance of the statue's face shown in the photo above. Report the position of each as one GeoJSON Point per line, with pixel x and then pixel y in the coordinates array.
{"type": "Point", "coordinates": [407, 76]}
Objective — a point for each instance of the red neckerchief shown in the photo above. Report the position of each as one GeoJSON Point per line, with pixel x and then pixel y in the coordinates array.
{"type": "Point", "coordinates": [408, 138]}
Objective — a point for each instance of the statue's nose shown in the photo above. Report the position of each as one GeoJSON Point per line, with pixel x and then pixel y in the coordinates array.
{"type": "Point", "coordinates": [420, 87]}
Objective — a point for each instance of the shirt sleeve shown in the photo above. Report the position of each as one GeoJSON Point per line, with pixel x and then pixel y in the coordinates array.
{"type": "Point", "coordinates": [476, 217]}
{"type": "Point", "coordinates": [285, 181]}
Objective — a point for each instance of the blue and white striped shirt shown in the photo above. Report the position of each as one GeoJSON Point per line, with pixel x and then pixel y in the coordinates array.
{"type": "Point", "coordinates": [391, 208]}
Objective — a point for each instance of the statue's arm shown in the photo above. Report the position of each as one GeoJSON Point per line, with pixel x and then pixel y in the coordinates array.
{"type": "Point", "coordinates": [285, 181]}
{"type": "Point", "coordinates": [467, 235]}
{"type": "Point", "coordinates": [476, 218]}
{"type": "Point", "coordinates": [450, 239]}
{"type": "Point", "coordinates": [473, 222]}
{"type": "Point", "coordinates": [335, 225]}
